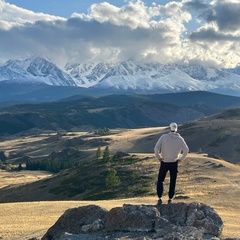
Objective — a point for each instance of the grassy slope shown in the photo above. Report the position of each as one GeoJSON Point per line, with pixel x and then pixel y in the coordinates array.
{"type": "Point", "coordinates": [201, 179]}
{"type": "Point", "coordinates": [214, 182]}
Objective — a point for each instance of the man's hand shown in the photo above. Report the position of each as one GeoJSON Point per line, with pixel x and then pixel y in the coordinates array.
{"type": "Point", "coordinates": [160, 159]}
{"type": "Point", "coordinates": [179, 160]}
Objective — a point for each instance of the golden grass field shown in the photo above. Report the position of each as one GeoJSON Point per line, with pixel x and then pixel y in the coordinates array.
{"type": "Point", "coordinates": [201, 179]}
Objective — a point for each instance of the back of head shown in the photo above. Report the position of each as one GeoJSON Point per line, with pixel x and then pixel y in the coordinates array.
{"type": "Point", "coordinates": [173, 127]}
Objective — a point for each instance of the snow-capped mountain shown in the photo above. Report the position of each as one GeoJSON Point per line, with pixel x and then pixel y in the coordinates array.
{"type": "Point", "coordinates": [156, 77]}
{"type": "Point", "coordinates": [35, 69]}
{"type": "Point", "coordinates": [128, 75]}
{"type": "Point", "coordinates": [151, 77]}
{"type": "Point", "coordinates": [87, 75]}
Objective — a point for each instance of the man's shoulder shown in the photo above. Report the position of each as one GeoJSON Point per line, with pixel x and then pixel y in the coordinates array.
{"type": "Point", "coordinates": [178, 136]}
{"type": "Point", "coordinates": [164, 135]}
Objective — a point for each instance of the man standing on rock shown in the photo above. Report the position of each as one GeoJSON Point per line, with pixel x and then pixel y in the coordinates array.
{"type": "Point", "coordinates": [170, 150]}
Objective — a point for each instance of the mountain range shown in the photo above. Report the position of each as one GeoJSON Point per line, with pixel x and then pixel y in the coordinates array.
{"type": "Point", "coordinates": [127, 76]}
{"type": "Point", "coordinates": [114, 111]}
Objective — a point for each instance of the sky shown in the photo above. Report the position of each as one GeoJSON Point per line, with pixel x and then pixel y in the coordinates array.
{"type": "Point", "coordinates": [85, 31]}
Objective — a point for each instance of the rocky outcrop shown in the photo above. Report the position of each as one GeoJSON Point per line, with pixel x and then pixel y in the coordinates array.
{"type": "Point", "coordinates": [89, 218]}
{"type": "Point", "coordinates": [178, 221]}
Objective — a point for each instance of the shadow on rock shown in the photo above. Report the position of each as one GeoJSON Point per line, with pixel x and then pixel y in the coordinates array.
{"type": "Point", "coordinates": [179, 221]}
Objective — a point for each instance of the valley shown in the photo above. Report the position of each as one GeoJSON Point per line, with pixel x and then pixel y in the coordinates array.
{"type": "Point", "coordinates": [201, 179]}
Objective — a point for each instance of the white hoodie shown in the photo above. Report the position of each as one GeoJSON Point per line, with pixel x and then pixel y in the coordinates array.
{"type": "Point", "coordinates": [170, 146]}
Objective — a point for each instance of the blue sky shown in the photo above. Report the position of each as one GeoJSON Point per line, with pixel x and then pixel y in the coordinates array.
{"type": "Point", "coordinates": [181, 31]}
{"type": "Point", "coordinates": [65, 8]}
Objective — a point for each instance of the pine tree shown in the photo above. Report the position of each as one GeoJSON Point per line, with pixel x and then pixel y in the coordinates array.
{"type": "Point", "coordinates": [1, 164]}
{"type": "Point", "coordinates": [106, 154]}
{"type": "Point", "coordinates": [99, 153]}
{"type": "Point", "coordinates": [20, 168]}
{"type": "Point", "coordinates": [112, 180]}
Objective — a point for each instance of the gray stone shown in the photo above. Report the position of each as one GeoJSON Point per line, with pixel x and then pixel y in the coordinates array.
{"type": "Point", "coordinates": [202, 216]}
{"type": "Point", "coordinates": [74, 219]}
{"type": "Point", "coordinates": [175, 213]}
{"type": "Point", "coordinates": [132, 218]}
{"type": "Point", "coordinates": [178, 221]}
{"type": "Point", "coordinates": [97, 225]}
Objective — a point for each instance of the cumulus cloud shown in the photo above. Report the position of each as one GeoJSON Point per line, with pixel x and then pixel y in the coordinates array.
{"type": "Point", "coordinates": [135, 30]}
{"type": "Point", "coordinates": [212, 35]}
{"type": "Point", "coordinates": [225, 14]}
{"type": "Point", "coordinates": [196, 5]}
{"type": "Point", "coordinates": [11, 15]}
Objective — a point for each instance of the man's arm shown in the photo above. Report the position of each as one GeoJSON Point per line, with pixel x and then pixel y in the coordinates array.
{"type": "Point", "coordinates": [157, 149]}
{"type": "Point", "coordinates": [185, 150]}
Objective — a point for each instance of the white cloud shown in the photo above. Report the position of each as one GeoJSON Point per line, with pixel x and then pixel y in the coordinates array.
{"type": "Point", "coordinates": [132, 15]}
{"type": "Point", "coordinates": [16, 16]}
{"type": "Point", "coordinates": [136, 31]}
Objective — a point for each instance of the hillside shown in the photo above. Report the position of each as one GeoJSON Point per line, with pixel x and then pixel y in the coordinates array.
{"type": "Point", "coordinates": [113, 111]}
{"type": "Point", "coordinates": [215, 136]}
{"type": "Point", "coordinates": [201, 179]}
{"type": "Point", "coordinates": [14, 92]}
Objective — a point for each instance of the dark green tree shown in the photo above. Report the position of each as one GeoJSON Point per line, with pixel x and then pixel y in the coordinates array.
{"type": "Point", "coordinates": [112, 179]}
{"type": "Point", "coordinates": [99, 153]}
{"type": "Point", "coordinates": [20, 168]}
{"type": "Point", "coordinates": [103, 131]}
{"type": "Point", "coordinates": [106, 154]}
{"type": "Point", "coordinates": [1, 164]}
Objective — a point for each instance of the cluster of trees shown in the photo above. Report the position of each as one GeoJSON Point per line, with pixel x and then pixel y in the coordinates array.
{"type": "Point", "coordinates": [103, 131]}
{"type": "Point", "coordinates": [51, 165]}
{"type": "Point", "coordinates": [112, 179]}
{"type": "Point", "coordinates": [104, 155]}
{"type": "Point", "coordinates": [10, 167]}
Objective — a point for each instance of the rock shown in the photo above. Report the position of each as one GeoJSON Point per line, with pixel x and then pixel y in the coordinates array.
{"type": "Point", "coordinates": [196, 215]}
{"type": "Point", "coordinates": [97, 225]}
{"type": "Point", "coordinates": [202, 216]}
{"type": "Point", "coordinates": [174, 213]}
{"type": "Point", "coordinates": [132, 218]}
{"type": "Point", "coordinates": [178, 221]}
{"type": "Point", "coordinates": [179, 233]}
{"type": "Point", "coordinates": [76, 220]}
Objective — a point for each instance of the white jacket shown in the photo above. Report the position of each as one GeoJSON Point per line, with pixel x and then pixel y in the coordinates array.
{"type": "Point", "coordinates": [170, 146]}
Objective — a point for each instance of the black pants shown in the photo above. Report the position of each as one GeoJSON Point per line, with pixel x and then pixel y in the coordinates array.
{"type": "Point", "coordinates": [164, 168]}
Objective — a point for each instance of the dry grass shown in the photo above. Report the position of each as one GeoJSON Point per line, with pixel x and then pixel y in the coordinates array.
{"type": "Point", "coordinates": [12, 178]}
{"type": "Point", "coordinates": [201, 179]}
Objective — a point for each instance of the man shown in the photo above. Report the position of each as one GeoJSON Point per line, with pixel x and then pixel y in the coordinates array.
{"type": "Point", "coordinates": [170, 150]}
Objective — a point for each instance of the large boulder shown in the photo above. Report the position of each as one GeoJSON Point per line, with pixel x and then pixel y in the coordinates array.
{"type": "Point", "coordinates": [178, 221]}
{"type": "Point", "coordinates": [78, 220]}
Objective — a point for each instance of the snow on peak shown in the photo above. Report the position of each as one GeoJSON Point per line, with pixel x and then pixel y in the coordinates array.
{"type": "Point", "coordinates": [126, 75]}
{"type": "Point", "coordinates": [35, 69]}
